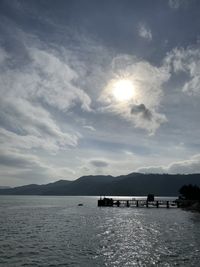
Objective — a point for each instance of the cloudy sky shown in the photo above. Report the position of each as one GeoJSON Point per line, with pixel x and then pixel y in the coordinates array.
{"type": "Point", "coordinates": [98, 87]}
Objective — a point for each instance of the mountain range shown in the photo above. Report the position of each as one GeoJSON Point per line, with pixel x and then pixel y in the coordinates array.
{"type": "Point", "coordinates": [138, 184]}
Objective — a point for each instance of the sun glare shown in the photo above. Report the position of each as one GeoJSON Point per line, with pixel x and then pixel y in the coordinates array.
{"type": "Point", "coordinates": [123, 90]}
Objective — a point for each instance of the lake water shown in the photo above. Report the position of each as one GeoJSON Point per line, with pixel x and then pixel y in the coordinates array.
{"type": "Point", "coordinates": [55, 231]}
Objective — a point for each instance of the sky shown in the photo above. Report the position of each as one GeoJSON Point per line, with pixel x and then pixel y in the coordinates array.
{"type": "Point", "coordinates": [98, 87]}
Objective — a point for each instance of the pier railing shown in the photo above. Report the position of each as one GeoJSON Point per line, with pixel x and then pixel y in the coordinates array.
{"type": "Point", "coordinates": [137, 203]}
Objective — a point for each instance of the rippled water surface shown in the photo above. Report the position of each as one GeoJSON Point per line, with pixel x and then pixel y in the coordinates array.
{"type": "Point", "coordinates": [55, 231]}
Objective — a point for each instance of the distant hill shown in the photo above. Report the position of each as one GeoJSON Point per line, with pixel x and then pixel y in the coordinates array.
{"type": "Point", "coordinates": [132, 184]}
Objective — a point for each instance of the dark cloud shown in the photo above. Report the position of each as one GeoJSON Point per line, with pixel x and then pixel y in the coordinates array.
{"type": "Point", "coordinates": [142, 110]}
{"type": "Point", "coordinates": [16, 160]}
{"type": "Point", "coordinates": [99, 163]}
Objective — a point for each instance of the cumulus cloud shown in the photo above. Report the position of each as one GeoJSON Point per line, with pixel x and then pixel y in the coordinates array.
{"type": "Point", "coordinates": [191, 165]}
{"type": "Point", "coordinates": [145, 32]}
{"type": "Point", "coordinates": [143, 109]}
{"type": "Point", "coordinates": [146, 117]}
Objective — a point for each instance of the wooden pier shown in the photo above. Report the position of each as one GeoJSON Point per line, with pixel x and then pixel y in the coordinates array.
{"type": "Point", "coordinates": [137, 203]}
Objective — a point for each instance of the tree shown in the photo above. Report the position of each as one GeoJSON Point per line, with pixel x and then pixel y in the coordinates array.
{"type": "Point", "coordinates": [190, 192]}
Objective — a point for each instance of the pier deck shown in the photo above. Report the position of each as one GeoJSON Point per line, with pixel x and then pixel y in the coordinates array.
{"type": "Point", "coordinates": [137, 203]}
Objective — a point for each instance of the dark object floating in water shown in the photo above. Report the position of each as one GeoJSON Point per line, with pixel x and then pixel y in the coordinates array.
{"type": "Point", "coordinates": [80, 204]}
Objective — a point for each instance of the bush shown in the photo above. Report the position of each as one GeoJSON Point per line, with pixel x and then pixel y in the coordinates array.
{"type": "Point", "coordinates": [190, 192]}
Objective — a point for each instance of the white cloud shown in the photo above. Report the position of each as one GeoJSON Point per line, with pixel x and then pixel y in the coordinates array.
{"type": "Point", "coordinates": [176, 4]}
{"type": "Point", "coordinates": [145, 32]}
{"type": "Point", "coordinates": [191, 165]}
{"type": "Point", "coordinates": [55, 83]}
{"type": "Point", "coordinates": [186, 61]}
{"type": "Point", "coordinates": [25, 123]}
{"type": "Point", "coordinates": [148, 82]}
{"type": "Point", "coordinates": [3, 56]}
{"type": "Point", "coordinates": [89, 127]}
{"type": "Point", "coordinates": [44, 81]}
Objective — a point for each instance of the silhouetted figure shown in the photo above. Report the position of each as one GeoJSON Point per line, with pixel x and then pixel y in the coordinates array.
{"type": "Point", "coordinates": [150, 197]}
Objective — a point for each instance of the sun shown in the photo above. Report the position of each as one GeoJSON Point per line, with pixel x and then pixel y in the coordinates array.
{"type": "Point", "coordinates": [123, 90]}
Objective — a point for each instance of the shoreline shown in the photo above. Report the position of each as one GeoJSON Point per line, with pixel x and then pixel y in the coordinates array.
{"type": "Point", "coordinates": [190, 205]}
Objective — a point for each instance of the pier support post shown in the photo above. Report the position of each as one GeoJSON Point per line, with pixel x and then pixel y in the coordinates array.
{"type": "Point", "coordinates": [168, 204]}
{"type": "Point", "coordinates": [147, 204]}
{"type": "Point", "coordinates": [157, 204]}
{"type": "Point", "coordinates": [137, 204]}
{"type": "Point", "coordinates": [127, 203]}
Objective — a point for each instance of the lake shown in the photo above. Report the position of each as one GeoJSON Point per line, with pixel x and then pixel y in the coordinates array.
{"type": "Point", "coordinates": [55, 231]}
